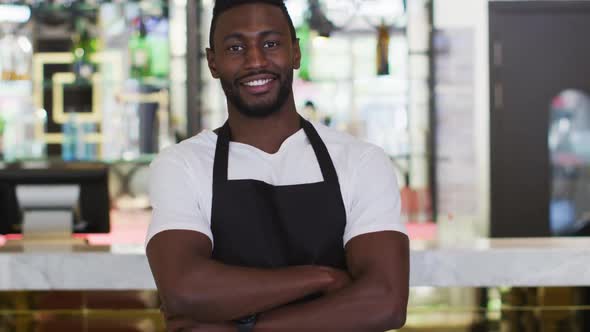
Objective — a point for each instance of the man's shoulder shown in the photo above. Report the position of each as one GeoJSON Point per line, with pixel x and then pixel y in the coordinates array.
{"type": "Point", "coordinates": [190, 152]}
{"type": "Point", "coordinates": [341, 142]}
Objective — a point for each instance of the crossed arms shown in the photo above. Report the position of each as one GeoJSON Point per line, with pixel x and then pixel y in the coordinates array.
{"type": "Point", "coordinates": [201, 294]}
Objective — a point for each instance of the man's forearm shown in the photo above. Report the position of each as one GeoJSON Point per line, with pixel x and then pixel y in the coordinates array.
{"type": "Point", "coordinates": [193, 286]}
{"type": "Point", "coordinates": [359, 307]}
{"type": "Point", "coordinates": [215, 292]}
{"type": "Point", "coordinates": [375, 301]}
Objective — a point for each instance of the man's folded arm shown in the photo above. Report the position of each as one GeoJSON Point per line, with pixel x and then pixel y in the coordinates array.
{"type": "Point", "coordinates": [376, 300]}
{"type": "Point", "coordinates": [192, 285]}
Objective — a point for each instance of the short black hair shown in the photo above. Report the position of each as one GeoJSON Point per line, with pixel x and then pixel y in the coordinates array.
{"type": "Point", "coordinates": [223, 5]}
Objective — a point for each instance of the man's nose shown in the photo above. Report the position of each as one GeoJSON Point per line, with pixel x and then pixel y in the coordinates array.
{"type": "Point", "coordinates": [256, 58]}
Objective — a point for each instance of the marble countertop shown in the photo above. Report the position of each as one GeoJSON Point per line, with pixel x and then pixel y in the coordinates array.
{"type": "Point", "coordinates": [117, 262]}
{"type": "Point", "coordinates": [504, 262]}
{"type": "Point", "coordinates": [484, 263]}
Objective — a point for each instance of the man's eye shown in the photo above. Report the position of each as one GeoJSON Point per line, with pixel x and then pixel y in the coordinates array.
{"type": "Point", "coordinates": [271, 44]}
{"type": "Point", "coordinates": [235, 48]}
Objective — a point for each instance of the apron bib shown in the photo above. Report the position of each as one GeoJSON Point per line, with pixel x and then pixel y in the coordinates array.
{"type": "Point", "coordinates": [255, 224]}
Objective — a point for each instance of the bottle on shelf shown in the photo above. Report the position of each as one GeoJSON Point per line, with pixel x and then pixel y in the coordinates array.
{"type": "Point", "coordinates": [77, 144]}
{"type": "Point", "coordinates": [131, 125]}
{"type": "Point", "coordinates": [304, 35]}
{"type": "Point", "coordinates": [16, 54]}
{"type": "Point", "coordinates": [23, 132]}
{"type": "Point", "coordinates": [70, 137]}
{"type": "Point", "coordinates": [83, 47]}
{"type": "Point", "coordinates": [383, 39]}
{"type": "Point", "coordinates": [159, 46]}
{"type": "Point", "coordinates": [85, 148]}
{"type": "Point", "coordinates": [10, 135]}
{"type": "Point", "coordinates": [140, 54]}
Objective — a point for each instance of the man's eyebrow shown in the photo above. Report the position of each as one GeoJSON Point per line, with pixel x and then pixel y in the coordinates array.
{"type": "Point", "coordinates": [270, 32]}
{"type": "Point", "coordinates": [238, 35]}
{"type": "Point", "coordinates": [235, 35]}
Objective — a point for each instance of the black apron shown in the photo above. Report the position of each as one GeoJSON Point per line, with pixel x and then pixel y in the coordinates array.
{"type": "Point", "coordinates": [258, 225]}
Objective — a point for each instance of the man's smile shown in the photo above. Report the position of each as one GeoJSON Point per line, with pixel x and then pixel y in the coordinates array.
{"type": "Point", "coordinates": [258, 84]}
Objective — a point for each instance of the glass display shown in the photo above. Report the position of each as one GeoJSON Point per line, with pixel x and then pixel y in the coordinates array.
{"type": "Point", "coordinates": [569, 148]}
{"type": "Point", "coordinates": [99, 71]}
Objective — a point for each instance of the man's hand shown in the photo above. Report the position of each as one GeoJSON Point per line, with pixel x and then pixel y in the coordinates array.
{"type": "Point", "coordinates": [340, 280]}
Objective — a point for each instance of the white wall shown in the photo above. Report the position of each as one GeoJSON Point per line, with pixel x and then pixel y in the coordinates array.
{"type": "Point", "coordinates": [474, 14]}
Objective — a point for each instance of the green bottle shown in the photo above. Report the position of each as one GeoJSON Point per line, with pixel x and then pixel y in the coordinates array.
{"type": "Point", "coordinates": [2, 124]}
{"type": "Point", "coordinates": [304, 35]}
{"type": "Point", "coordinates": [160, 57]}
{"type": "Point", "coordinates": [83, 47]}
{"type": "Point", "coordinates": [140, 54]}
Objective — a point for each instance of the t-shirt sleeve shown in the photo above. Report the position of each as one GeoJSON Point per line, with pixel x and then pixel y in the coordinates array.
{"type": "Point", "coordinates": [375, 199]}
{"type": "Point", "coordinates": [174, 197]}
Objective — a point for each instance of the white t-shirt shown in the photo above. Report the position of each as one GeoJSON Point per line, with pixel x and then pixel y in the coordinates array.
{"type": "Point", "coordinates": [181, 180]}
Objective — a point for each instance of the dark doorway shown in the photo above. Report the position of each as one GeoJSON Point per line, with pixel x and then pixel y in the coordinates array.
{"type": "Point", "coordinates": [537, 50]}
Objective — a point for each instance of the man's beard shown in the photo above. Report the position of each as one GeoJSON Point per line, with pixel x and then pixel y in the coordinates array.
{"type": "Point", "coordinates": [232, 93]}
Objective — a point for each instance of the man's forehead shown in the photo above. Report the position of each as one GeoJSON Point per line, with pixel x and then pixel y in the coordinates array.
{"type": "Point", "coordinates": [252, 18]}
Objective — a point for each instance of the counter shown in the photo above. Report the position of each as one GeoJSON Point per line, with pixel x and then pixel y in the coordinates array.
{"type": "Point", "coordinates": [505, 262]}
{"type": "Point", "coordinates": [117, 261]}
{"type": "Point", "coordinates": [486, 263]}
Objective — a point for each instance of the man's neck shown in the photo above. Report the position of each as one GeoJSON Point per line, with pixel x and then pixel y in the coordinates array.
{"type": "Point", "coordinates": [266, 134]}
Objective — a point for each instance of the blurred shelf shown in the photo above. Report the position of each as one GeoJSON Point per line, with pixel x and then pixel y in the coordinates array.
{"type": "Point", "coordinates": [363, 79]}
{"type": "Point", "coordinates": [41, 163]}
{"type": "Point", "coordinates": [15, 88]}
{"type": "Point", "coordinates": [77, 6]}
{"type": "Point", "coordinates": [158, 83]}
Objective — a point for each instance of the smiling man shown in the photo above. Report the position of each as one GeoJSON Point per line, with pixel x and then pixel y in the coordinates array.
{"type": "Point", "coordinates": [272, 223]}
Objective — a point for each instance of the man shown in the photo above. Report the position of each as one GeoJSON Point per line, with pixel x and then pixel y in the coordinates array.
{"type": "Point", "coordinates": [272, 223]}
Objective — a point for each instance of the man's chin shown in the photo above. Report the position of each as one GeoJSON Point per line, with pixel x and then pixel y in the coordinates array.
{"type": "Point", "coordinates": [260, 106]}
{"type": "Point", "coordinates": [258, 111]}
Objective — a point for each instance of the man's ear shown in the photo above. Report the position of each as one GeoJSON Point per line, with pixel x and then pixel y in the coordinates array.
{"type": "Point", "coordinates": [296, 54]}
{"type": "Point", "coordinates": [211, 63]}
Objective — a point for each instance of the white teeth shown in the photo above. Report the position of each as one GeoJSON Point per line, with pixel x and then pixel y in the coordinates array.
{"type": "Point", "coordinates": [257, 82]}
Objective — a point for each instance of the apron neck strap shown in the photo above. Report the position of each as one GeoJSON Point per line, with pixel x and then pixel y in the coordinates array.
{"type": "Point", "coordinates": [321, 152]}
{"type": "Point", "coordinates": [221, 154]}
{"type": "Point", "coordinates": [220, 165]}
